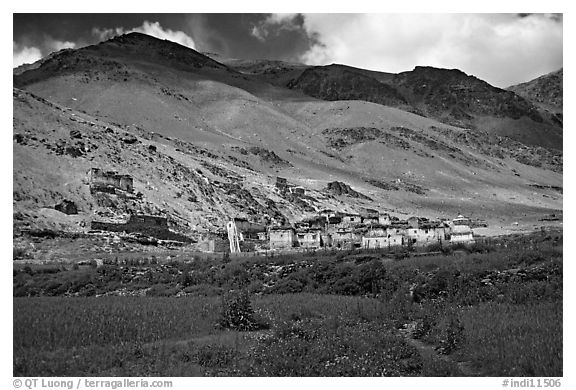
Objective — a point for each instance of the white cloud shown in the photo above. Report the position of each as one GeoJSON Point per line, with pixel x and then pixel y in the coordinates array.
{"type": "Point", "coordinates": [276, 22]}
{"type": "Point", "coordinates": [502, 49]}
{"type": "Point", "coordinates": [59, 45]}
{"type": "Point", "coordinates": [150, 28]}
{"type": "Point", "coordinates": [24, 54]}
{"type": "Point", "coordinates": [259, 33]}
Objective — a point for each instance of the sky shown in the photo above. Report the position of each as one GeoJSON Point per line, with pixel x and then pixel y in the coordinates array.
{"type": "Point", "coordinates": [502, 49]}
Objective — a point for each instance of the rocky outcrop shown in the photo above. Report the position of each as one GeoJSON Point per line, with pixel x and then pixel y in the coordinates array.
{"type": "Point", "coordinates": [67, 207]}
{"type": "Point", "coordinates": [339, 188]}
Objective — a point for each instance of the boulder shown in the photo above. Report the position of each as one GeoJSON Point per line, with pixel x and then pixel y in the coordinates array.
{"type": "Point", "coordinates": [67, 207]}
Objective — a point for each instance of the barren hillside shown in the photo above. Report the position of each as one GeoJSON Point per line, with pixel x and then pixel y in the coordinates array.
{"type": "Point", "coordinates": [204, 141]}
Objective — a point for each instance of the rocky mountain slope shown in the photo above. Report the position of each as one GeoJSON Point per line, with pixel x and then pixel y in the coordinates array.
{"type": "Point", "coordinates": [205, 141]}
{"type": "Point", "coordinates": [448, 95]}
{"type": "Point", "coordinates": [545, 92]}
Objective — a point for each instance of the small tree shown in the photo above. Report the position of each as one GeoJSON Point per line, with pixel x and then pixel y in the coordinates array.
{"type": "Point", "coordinates": [237, 312]}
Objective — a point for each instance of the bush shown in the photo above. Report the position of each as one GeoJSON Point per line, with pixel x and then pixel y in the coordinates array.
{"type": "Point", "coordinates": [287, 286]}
{"type": "Point", "coordinates": [203, 290]}
{"type": "Point", "coordinates": [19, 253]}
{"type": "Point", "coordinates": [215, 356]}
{"type": "Point", "coordinates": [162, 290]}
{"type": "Point", "coordinates": [450, 334]}
{"type": "Point", "coordinates": [237, 312]}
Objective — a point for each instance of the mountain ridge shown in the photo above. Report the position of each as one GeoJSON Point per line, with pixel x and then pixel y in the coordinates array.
{"type": "Point", "coordinates": [241, 132]}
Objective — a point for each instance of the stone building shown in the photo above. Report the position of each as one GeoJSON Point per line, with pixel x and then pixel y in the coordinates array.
{"type": "Point", "coordinates": [282, 237]}
{"type": "Point", "coordinates": [109, 181]}
{"type": "Point", "coordinates": [310, 238]}
{"type": "Point", "coordinates": [249, 230]}
{"type": "Point", "coordinates": [384, 219]}
{"type": "Point", "coordinates": [148, 225]}
{"type": "Point", "coordinates": [281, 184]}
{"type": "Point", "coordinates": [369, 216]}
{"type": "Point", "coordinates": [350, 219]}
{"type": "Point", "coordinates": [461, 231]}
{"type": "Point", "coordinates": [387, 241]}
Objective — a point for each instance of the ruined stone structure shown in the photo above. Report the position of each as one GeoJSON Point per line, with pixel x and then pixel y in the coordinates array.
{"type": "Point", "coordinates": [297, 190]}
{"type": "Point", "coordinates": [281, 184]}
{"type": "Point", "coordinates": [109, 181]}
{"type": "Point", "coordinates": [148, 225]}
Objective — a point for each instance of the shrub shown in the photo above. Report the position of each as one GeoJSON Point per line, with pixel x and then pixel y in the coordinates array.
{"type": "Point", "coordinates": [203, 290]}
{"type": "Point", "coordinates": [287, 286]}
{"type": "Point", "coordinates": [346, 286]}
{"type": "Point", "coordinates": [450, 334]}
{"type": "Point", "coordinates": [237, 312]}
{"type": "Point", "coordinates": [19, 253]}
{"type": "Point", "coordinates": [215, 355]}
{"type": "Point", "coordinates": [162, 290]}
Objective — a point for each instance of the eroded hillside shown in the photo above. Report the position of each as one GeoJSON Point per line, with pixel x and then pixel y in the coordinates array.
{"type": "Point", "coordinates": [205, 142]}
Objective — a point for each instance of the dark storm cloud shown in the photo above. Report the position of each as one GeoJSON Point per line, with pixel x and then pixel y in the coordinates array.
{"type": "Point", "coordinates": [230, 35]}
{"type": "Point", "coordinates": [32, 29]}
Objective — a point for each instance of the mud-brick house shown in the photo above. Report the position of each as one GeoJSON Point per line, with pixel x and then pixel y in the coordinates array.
{"type": "Point", "coordinates": [249, 230]}
{"type": "Point", "coordinates": [386, 241]}
{"type": "Point", "coordinates": [376, 231]}
{"type": "Point", "coordinates": [281, 237]}
{"type": "Point", "coordinates": [316, 222]}
{"type": "Point", "coordinates": [351, 219]}
{"type": "Point", "coordinates": [461, 232]}
{"type": "Point", "coordinates": [310, 238]}
{"type": "Point", "coordinates": [421, 231]}
{"type": "Point", "coordinates": [333, 223]}
{"type": "Point", "coordinates": [347, 238]}
{"type": "Point", "coordinates": [326, 240]}
{"type": "Point", "coordinates": [384, 219]}
{"type": "Point", "coordinates": [327, 213]}
{"type": "Point", "coordinates": [369, 216]}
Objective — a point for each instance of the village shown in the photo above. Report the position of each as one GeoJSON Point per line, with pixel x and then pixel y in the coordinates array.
{"type": "Point", "coordinates": [345, 231]}
{"type": "Point", "coordinates": [327, 229]}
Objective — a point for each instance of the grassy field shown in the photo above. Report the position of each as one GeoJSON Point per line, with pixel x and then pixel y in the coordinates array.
{"type": "Point", "coordinates": [495, 310]}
